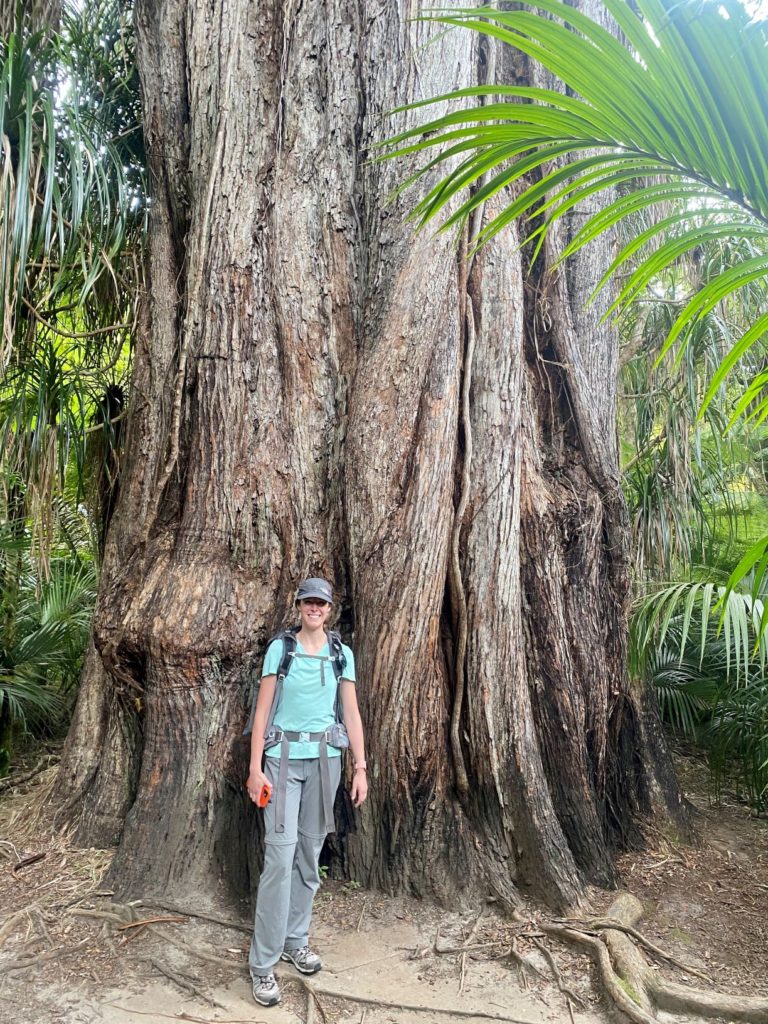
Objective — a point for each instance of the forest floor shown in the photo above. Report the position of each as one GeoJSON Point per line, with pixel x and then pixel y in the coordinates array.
{"type": "Point", "coordinates": [70, 955]}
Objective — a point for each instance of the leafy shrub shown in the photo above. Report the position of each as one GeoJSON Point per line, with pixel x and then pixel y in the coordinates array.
{"type": "Point", "coordinates": [45, 625]}
{"type": "Point", "coordinates": [705, 651]}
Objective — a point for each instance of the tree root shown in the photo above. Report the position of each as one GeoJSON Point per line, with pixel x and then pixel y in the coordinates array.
{"type": "Point", "coordinates": [176, 908]}
{"type": "Point", "coordinates": [569, 994]}
{"type": "Point", "coordinates": [185, 983]}
{"type": "Point", "coordinates": [636, 989]}
{"type": "Point", "coordinates": [614, 985]}
{"type": "Point", "coordinates": [33, 959]}
{"type": "Point", "coordinates": [468, 941]}
{"type": "Point", "coordinates": [21, 777]}
{"type": "Point", "coordinates": [353, 997]}
{"type": "Point", "coordinates": [201, 954]}
{"type": "Point", "coordinates": [523, 965]}
{"type": "Point", "coordinates": [142, 922]}
{"type": "Point", "coordinates": [601, 924]}
{"type": "Point", "coordinates": [183, 1016]}
{"type": "Point", "coordinates": [10, 923]}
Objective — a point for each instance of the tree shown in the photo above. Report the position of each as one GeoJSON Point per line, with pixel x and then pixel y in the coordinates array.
{"type": "Point", "coordinates": [674, 120]}
{"type": "Point", "coordinates": [317, 390]}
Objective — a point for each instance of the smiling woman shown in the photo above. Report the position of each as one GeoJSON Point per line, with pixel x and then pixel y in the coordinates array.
{"type": "Point", "coordinates": [305, 715]}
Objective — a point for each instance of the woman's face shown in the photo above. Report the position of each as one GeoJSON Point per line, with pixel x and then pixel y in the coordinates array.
{"type": "Point", "coordinates": [313, 612]}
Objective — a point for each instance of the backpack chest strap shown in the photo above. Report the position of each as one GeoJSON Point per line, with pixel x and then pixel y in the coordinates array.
{"type": "Point", "coordinates": [322, 658]}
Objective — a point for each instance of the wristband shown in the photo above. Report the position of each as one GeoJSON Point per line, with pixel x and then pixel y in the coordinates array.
{"type": "Point", "coordinates": [361, 766]}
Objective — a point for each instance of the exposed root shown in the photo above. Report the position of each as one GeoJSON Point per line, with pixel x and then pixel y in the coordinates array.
{"type": "Point", "coordinates": [114, 916]}
{"type": "Point", "coordinates": [20, 778]}
{"type": "Point", "coordinates": [142, 922]}
{"type": "Point", "coordinates": [467, 942]}
{"type": "Point", "coordinates": [435, 1011]}
{"type": "Point", "coordinates": [124, 917]}
{"type": "Point", "coordinates": [570, 995]}
{"type": "Point", "coordinates": [601, 924]}
{"type": "Point", "coordinates": [615, 987]}
{"type": "Point", "coordinates": [445, 950]}
{"type": "Point", "coordinates": [636, 989]}
{"type": "Point", "coordinates": [184, 983]}
{"type": "Point", "coordinates": [21, 963]}
{"type": "Point", "coordinates": [310, 1007]}
{"type": "Point", "coordinates": [176, 908]}
{"type": "Point", "coordinates": [11, 923]}
{"type": "Point", "coordinates": [201, 954]}
{"type": "Point", "coordinates": [183, 1016]}
{"type": "Point", "coordinates": [523, 965]}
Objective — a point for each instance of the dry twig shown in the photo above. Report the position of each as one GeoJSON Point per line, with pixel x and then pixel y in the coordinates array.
{"type": "Point", "coordinates": [26, 861]}
{"type": "Point", "coordinates": [141, 922]}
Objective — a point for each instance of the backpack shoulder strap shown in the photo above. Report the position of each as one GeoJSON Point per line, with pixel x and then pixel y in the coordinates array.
{"type": "Point", "coordinates": [339, 663]}
{"type": "Point", "coordinates": [338, 660]}
{"type": "Point", "coordinates": [288, 638]}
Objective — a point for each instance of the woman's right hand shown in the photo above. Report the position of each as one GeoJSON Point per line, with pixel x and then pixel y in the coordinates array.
{"type": "Point", "coordinates": [256, 782]}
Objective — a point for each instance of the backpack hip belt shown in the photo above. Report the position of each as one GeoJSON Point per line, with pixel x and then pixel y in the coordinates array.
{"type": "Point", "coordinates": [328, 736]}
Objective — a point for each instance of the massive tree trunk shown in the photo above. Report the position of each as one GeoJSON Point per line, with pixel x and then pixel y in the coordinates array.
{"type": "Point", "coordinates": [319, 391]}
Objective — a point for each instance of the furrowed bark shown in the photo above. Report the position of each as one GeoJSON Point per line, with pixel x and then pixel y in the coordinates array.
{"type": "Point", "coordinates": [297, 410]}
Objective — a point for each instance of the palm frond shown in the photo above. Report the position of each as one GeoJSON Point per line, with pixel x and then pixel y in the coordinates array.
{"type": "Point", "coordinates": [678, 110]}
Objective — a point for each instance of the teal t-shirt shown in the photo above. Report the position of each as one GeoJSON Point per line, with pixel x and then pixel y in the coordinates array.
{"type": "Point", "coordinates": [308, 700]}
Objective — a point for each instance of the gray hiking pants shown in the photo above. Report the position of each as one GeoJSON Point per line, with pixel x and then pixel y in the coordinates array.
{"type": "Point", "coordinates": [290, 877]}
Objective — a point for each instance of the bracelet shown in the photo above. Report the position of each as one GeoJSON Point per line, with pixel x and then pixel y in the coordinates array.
{"type": "Point", "coordinates": [361, 766]}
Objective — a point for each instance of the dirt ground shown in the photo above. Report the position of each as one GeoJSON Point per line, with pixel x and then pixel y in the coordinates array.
{"type": "Point", "coordinates": [70, 955]}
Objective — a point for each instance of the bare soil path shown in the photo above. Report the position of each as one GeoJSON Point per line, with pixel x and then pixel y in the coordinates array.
{"type": "Point", "coordinates": [69, 954]}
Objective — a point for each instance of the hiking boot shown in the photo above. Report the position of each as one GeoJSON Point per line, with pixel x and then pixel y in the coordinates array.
{"type": "Point", "coordinates": [303, 959]}
{"type": "Point", "coordinates": [265, 989]}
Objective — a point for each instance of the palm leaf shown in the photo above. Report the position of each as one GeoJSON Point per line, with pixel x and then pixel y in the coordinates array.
{"type": "Point", "coordinates": [682, 102]}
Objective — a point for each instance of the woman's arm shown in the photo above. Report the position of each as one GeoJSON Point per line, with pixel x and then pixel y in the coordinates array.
{"type": "Point", "coordinates": [256, 777]}
{"type": "Point", "coordinates": [354, 724]}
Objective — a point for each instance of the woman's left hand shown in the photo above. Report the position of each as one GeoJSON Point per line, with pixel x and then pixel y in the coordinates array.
{"type": "Point", "coordinates": [359, 788]}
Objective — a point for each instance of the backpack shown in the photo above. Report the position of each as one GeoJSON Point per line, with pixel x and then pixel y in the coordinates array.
{"type": "Point", "coordinates": [288, 637]}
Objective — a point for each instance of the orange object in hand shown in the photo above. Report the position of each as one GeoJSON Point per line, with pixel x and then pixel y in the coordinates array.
{"type": "Point", "coordinates": [265, 794]}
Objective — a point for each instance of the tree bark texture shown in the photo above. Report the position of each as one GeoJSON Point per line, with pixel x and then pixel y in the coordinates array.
{"type": "Point", "coordinates": [36, 15]}
{"type": "Point", "coordinates": [304, 403]}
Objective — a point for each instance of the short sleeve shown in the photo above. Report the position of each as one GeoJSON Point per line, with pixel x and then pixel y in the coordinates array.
{"type": "Point", "coordinates": [349, 668]}
{"type": "Point", "coordinates": [272, 658]}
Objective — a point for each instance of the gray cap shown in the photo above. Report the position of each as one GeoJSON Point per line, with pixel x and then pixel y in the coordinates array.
{"type": "Point", "coordinates": [315, 587]}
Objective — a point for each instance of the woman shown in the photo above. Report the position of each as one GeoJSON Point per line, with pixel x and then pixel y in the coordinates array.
{"type": "Point", "coordinates": [298, 710]}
